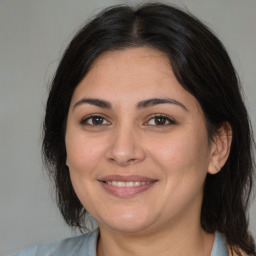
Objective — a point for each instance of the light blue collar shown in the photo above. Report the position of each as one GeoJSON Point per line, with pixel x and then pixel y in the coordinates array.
{"type": "Point", "coordinates": [219, 246]}
{"type": "Point", "coordinates": [86, 245]}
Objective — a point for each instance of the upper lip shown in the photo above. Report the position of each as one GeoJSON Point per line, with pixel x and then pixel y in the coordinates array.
{"type": "Point", "coordinates": [126, 178]}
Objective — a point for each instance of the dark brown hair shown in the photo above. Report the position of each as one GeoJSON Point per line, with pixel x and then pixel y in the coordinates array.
{"type": "Point", "coordinates": [202, 66]}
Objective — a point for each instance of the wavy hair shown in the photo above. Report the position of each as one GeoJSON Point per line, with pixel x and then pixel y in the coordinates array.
{"type": "Point", "coordinates": [202, 66]}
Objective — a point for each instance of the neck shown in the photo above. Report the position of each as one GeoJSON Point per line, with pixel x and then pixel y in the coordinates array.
{"type": "Point", "coordinates": [175, 241]}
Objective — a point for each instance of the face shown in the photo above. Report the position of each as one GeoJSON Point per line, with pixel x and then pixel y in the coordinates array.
{"type": "Point", "coordinates": [137, 145]}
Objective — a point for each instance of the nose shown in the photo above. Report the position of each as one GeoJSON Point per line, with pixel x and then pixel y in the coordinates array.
{"type": "Point", "coordinates": [125, 147]}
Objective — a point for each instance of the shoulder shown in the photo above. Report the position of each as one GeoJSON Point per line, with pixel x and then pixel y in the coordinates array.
{"type": "Point", "coordinates": [221, 247]}
{"type": "Point", "coordinates": [79, 245]}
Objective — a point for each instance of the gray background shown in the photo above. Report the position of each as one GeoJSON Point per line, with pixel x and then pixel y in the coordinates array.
{"type": "Point", "coordinates": [33, 35]}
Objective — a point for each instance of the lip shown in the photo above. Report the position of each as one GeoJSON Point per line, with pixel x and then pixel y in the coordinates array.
{"type": "Point", "coordinates": [126, 192]}
{"type": "Point", "coordinates": [126, 178]}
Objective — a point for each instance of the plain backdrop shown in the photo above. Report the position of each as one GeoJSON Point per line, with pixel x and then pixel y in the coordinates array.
{"type": "Point", "coordinates": [33, 36]}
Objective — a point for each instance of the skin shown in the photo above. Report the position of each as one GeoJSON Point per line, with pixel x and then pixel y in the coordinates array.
{"type": "Point", "coordinates": [174, 151]}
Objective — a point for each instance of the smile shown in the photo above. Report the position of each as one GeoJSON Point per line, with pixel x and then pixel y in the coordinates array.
{"type": "Point", "coordinates": [127, 184]}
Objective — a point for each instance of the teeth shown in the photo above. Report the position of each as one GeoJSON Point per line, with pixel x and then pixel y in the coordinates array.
{"type": "Point", "coordinates": [127, 184]}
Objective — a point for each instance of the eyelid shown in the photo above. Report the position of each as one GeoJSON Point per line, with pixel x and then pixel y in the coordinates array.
{"type": "Point", "coordinates": [86, 118]}
{"type": "Point", "coordinates": [169, 119]}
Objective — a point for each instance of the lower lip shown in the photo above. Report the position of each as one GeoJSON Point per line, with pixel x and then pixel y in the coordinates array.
{"type": "Point", "coordinates": [125, 192]}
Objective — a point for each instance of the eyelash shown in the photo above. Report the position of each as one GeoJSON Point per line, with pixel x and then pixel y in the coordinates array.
{"type": "Point", "coordinates": [163, 117]}
{"type": "Point", "coordinates": [85, 120]}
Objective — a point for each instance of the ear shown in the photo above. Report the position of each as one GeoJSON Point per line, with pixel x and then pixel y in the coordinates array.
{"type": "Point", "coordinates": [220, 148]}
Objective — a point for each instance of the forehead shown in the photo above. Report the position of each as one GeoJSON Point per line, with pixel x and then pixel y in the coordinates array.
{"type": "Point", "coordinates": [131, 62]}
{"type": "Point", "coordinates": [135, 53]}
{"type": "Point", "coordinates": [132, 74]}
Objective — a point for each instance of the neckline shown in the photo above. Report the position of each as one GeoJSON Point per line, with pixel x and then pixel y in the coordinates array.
{"type": "Point", "coordinates": [219, 247]}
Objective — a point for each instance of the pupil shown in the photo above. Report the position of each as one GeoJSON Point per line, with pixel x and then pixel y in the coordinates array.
{"type": "Point", "coordinates": [160, 120]}
{"type": "Point", "coordinates": [97, 120]}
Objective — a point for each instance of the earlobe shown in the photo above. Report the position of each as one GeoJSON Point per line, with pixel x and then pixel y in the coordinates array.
{"type": "Point", "coordinates": [220, 148]}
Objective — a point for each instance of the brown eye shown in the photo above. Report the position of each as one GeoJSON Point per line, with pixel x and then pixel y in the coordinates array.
{"type": "Point", "coordinates": [160, 121]}
{"type": "Point", "coordinates": [95, 120]}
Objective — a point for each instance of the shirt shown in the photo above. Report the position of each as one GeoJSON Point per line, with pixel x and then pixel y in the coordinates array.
{"type": "Point", "coordinates": [85, 245]}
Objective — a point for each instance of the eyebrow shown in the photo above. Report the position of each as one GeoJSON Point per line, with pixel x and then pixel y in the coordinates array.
{"type": "Point", "coordinates": [95, 102]}
{"type": "Point", "coordinates": [142, 104]}
{"type": "Point", "coordinates": [157, 101]}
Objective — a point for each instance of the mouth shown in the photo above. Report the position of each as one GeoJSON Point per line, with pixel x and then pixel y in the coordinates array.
{"type": "Point", "coordinates": [126, 186]}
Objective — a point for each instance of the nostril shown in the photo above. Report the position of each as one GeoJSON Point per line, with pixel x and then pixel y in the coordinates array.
{"type": "Point", "coordinates": [124, 162]}
{"type": "Point", "coordinates": [132, 160]}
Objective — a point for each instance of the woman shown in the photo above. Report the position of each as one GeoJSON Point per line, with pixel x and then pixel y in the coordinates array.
{"type": "Point", "coordinates": [146, 130]}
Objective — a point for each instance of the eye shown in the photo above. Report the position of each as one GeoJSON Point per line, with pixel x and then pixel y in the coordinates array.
{"type": "Point", "coordinates": [95, 120]}
{"type": "Point", "coordinates": [160, 121]}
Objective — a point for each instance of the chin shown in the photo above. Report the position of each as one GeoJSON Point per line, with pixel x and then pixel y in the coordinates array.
{"type": "Point", "coordinates": [126, 223]}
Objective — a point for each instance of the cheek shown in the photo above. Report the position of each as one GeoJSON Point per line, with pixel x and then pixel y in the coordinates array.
{"type": "Point", "coordinates": [183, 162]}
{"type": "Point", "coordinates": [183, 153]}
{"type": "Point", "coordinates": [83, 154]}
